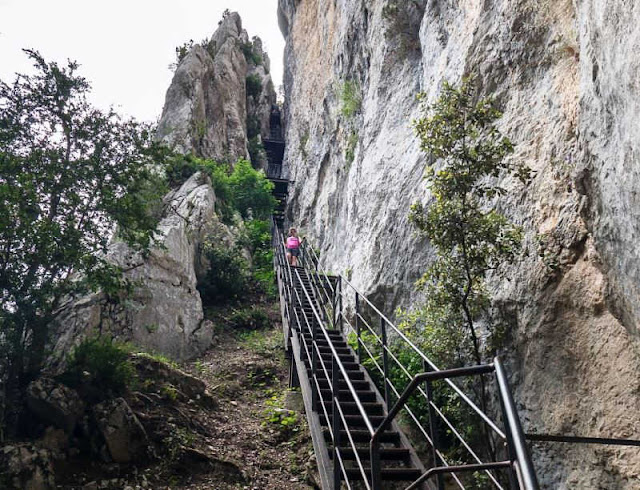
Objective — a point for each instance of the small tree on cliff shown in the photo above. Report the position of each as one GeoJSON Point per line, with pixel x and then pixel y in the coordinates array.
{"type": "Point", "coordinates": [70, 174]}
{"type": "Point", "coordinates": [470, 237]}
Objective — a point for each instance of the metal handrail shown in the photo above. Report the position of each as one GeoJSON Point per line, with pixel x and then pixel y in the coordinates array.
{"type": "Point", "coordinates": [322, 288]}
{"type": "Point", "coordinates": [431, 364]}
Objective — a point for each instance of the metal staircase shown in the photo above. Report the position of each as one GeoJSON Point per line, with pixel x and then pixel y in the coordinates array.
{"type": "Point", "coordinates": [357, 440]}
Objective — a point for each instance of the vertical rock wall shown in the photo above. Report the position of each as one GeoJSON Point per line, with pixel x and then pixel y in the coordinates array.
{"type": "Point", "coordinates": [566, 74]}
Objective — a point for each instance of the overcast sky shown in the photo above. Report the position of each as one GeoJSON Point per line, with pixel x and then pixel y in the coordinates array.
{"type": "Point", "coordinates": [125, 47]}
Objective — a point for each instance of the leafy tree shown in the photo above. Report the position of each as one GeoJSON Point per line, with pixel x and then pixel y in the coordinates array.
{"type": "Point", "coordinates": [469, 235]}
{"type": "Point", "coordinates": [251, 191]}
{"type": "Point", "coordinates": [70, 175]}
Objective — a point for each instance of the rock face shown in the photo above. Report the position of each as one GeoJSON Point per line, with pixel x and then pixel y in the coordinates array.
{"type": "Point", "coordinates": [164, 313]}
{"type": "Point", "coordinates": [207, 105]}
{"type": "Point", "coordinates": [125, 437]}
{"type": "Point", "coordinates": [209, 113]}
{"type": "Point", "coordinates": [565, 74]}
{"type": "Point", "coordinates": [55, 403]}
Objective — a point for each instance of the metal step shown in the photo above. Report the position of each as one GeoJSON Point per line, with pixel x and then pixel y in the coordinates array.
{"type": "Point", "coordinates": [364, 436]}
{"type": "Point", "coordinates": [386, 453]}
{"type": "Point", "coordinates": [365, 396]}
{"type": "Point", "coordinates": [387, 474]}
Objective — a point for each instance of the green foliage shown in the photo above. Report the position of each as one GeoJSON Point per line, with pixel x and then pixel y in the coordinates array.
{"type": "Point", "coordinates": [251, 54]}
{"type": "Point", "coordinates": [176, 441]}
{"type": "Point", "coordinates": [249, 319]}
{"type": "Point", "coordinates": [264, 342]}
{"type": "Point", "coordinates": [228, 275]}
{"type": "Point", "coordinates": [275, 416]}
{"type": "Point", "coordinates": [99, 368]}
{"type": "Point", "coordinates": [242, 189]}
{"type": "Point", "coordinates": [251, 191]}
{"type": "Point", "coordinates": [259, 240]}
{"type": "Point", "coordinates": [254, 86]}
{"type": "Point", "coordinates": [350, 151]}
{"type": "Point", "coordinates": [302, 146]}
{"type": "Point", "coordinates": [253, 126]}
{"type": "Point", "coordinates": [70, 174]}
{"type": "Point", "coordinates": [169, 392]}
{"type": "Point", "coordinates": [183, 50]}
{"type": "Point", "coordinates": [156, 357]}
{"type": "Point", "coordinates": [470, 238]}
{"type": "Point", "coordinates": [257, 153]}
{"type": "Point", "coordinates": [350, 98]}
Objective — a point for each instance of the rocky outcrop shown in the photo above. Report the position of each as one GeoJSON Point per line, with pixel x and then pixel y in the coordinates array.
{"type": "Point", "coordinates": [55, 403]}
{"type": "Point", "coordinates": [164, 313]}
{"type": "Point", "coordinates": [208, 106]}
{"type": "Point", "coordinates": [123, 433]}
{"type": "Point", "coordinates": [209, 113]}
{"type": "Point", "coordinates": [564, 74]}
{"type": "Point", "coordinates": [27, 467]}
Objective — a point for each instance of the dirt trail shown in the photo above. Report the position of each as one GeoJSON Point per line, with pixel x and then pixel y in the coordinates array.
{"type": "Point", "coordinates": [250, 429]}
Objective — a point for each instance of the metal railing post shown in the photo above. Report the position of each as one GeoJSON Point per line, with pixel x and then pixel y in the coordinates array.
{"type": "Point", "coordinates": [358, 333]}
{"type": "Point", "coordinates": [433, 426]}
{"type": "Point", "coordinates": [335, 392]}
{"type": "Point", "coordinates": [339, 293]}
{"type": "Point", "coordinates": [374, 455]}
{"type": "Point", "coordinates": [334, 309]}
{"type": "Point", "coordinates": [385, 362]}
{"type": "Point", "coordinates": [518, 452]}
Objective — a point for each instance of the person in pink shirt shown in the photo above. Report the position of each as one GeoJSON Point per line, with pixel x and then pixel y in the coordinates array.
{"type": "Point", "coordinates": [293, 247]}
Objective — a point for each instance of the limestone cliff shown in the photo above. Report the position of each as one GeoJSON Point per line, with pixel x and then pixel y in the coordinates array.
{"type": "Point", "coordinates": [208, 113]}
{"type": "Point", "coordinates": [211, 97]}
{"type": "Point", "coordinates": [566, 75]}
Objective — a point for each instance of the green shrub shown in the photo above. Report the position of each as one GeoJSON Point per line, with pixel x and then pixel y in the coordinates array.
{"type": "Point", "coordinates": [251, 191]}
{"type": "Point", "coordinates": [179, 168]}
{"type": "Point", "coordinates": [276, 416]}
{"type": "Point", "coordinates": [257, 153]}
{"type": "Point", "coordinates": [183, 50]}
{"type": "Point", "coordinates": [251, 54]}
{"type": "Point", "coordinates": [350, 98]}
{"type": "Point", "coordinates": [227, 277]}
{"type": "Point", "coordinates": [254, 86]}
{"type": "Point", "coordinates": [243, 189]}
{"type": "Point", "coordinates": [253, 126]}
{"type": "Point", "coordinates": [350, 151]}
{"type": "Point", "coordinates": [249, 319]}
{"type": "Point", "coordinates": [99, 368]}
{"type": "Point", "coordinates": [259, 240]}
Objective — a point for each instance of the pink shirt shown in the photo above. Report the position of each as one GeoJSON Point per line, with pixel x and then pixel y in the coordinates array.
{"type": "Point", "coordinates": [293, 242]}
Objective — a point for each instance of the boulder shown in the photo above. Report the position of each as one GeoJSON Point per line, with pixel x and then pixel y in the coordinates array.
{"type": "Point", "coordinates": [123, 433]}
{"type": "Point", "coordinates": [164, 314]}
{"type": "Point", "coordinates": [54, 403]}
{"type": "Point", "coordinates": [149, 368]}
{"type": "Point", "coordinates": [26, 467]}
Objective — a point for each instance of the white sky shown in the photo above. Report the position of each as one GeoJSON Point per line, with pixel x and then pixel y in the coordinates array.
{"type": "Point", "coordinates": [124, 47]}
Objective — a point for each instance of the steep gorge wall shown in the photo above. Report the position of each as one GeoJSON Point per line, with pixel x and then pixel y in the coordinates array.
{"type": "Point", "coordinates": [567, 76]}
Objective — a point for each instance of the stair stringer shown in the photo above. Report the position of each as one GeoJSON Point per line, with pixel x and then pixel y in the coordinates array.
{"type": "Point", "coordinates": [321, 450]}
